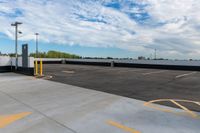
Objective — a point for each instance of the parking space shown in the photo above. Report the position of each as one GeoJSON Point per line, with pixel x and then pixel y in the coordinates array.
{"type": "Point", "coordinates": [137, 83]}
{"type": "Point", "coordinates": [30, 105]}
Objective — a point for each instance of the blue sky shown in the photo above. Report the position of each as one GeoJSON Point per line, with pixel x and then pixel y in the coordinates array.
{"type": "Point", "coordinates": [8, 46]}
{"type": "Point", "coordinates": [115, 28]}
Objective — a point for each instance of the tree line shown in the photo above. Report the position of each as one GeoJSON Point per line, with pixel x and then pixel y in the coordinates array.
{"type": "Point", "coordinates": [55, 54]}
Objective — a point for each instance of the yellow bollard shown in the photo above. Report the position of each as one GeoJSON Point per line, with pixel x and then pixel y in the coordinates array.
{"type": "Point", "coordinates": [36, 68]}
{"type": "Point", "coordinates": [41, 68]}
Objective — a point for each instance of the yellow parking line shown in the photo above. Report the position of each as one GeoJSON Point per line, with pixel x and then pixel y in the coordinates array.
{"type": "Point", "coordinates": [149, 104]}
{"type": "Point", "coordinates": [174, 101]}
{"type": "Point", "coordinates": [115, 124]}
{"type": "Point", "coordinates": [184, 108]}
{"type": "Point", "coordinates": [8, 119]}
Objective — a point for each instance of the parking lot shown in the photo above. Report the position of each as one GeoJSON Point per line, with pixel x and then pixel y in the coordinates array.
{"type": "Point", "coordinates": [31, 105]}
{"type": "Point", "coordinates": [137, 83]}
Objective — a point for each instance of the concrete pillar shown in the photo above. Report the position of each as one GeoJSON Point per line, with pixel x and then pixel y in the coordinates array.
{"type": "Point", "coordinates": [112, 64]}
{"type": "Point", "coordinates": [63, 61]}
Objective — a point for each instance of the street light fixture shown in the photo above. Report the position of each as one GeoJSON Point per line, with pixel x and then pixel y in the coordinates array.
{"type": "Point", "coordinates": [16, 42]}
{"type": "Point", "coordinates": [36, 35]}
{"type": "Point", "coordinates": [20, 32]}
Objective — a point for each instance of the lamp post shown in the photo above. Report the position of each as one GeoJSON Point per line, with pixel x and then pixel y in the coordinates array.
{"type": "Point", "coordinates": [36, 40]}
{"type": "Point", "coordinates": [16, 42]}
{"type": "Point", "coordinates": [154, 52]}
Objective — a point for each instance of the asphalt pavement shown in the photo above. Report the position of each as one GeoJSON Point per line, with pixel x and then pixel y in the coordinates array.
{"type": "Point", "coordinates": [136, 83]}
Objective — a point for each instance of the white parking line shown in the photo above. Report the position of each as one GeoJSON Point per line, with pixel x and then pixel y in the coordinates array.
{"type": "Point", "coordinates": [69, 72]}
{"type": "Point", "coordinates": [186, 74]}
{"type": "Point", "coordinates": [136, 70]}
{"type": "Point", "coordinates": [154, 72]}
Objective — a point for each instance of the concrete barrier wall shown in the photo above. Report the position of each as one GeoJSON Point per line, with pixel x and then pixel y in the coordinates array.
{"type": "Point", "coordinates": [158, 64]}
{"type": "Point", "coordinates": [5, 61]}
{"type": "Point", "coordinates": [23, 70]}
{"type": "Point", "coordinates": [7, 64]}
{"type": "Point", "coordinates": [163, 62]}
{"type": "Point", "coordinates": [30, 62]}
{"type": "Point", "coordinates": [152, 62]}
{"type": "Point", "coordinates": [50, 60]}
{"type": "Point", "coordinates": [8, 61]}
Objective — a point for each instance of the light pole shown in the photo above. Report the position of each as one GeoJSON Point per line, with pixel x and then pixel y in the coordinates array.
{"type": "Point", "coordinates": [155, 54]}
{"type": "Point", "coordinates": [36, 40]}
{"type": "Point", "coordinates": [16, 42]}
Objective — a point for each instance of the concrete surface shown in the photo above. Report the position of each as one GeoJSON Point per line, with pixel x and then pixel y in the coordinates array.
{"type": "Point", "coordinates": [141, 84]}
{"type": "Point", "coordinates": [10, 61]}
{"type": "Point", "coordinates": [62, 108]}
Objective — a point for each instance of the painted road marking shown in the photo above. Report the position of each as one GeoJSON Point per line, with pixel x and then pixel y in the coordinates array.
{"type": "Point", "coordinates": [125, 71]}
{"type": "Point", "coordinates": [125, 128]}
{"type": "Point", "coordinates": [149, 73]}
{"type": "Point", "coordinates": [198, 103]}
{"type": "Point", "coordinates": [48, 77]}
{"type": "Point", "coordinates": [186, 74]}
{"type": "Point", "coordinates": [186, 110]}
{"type": "Point", "coordinates": [70, 72]}
{"type": "Point", "coordinates": [137, 70]}
{"type": "Point", "coordinates": [5, 120]}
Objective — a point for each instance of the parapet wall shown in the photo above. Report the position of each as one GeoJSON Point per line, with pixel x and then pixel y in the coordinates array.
{"type": "Point", "coordinates": [158, 64]}
{"type": "Point", "coordinates": [7, 64]}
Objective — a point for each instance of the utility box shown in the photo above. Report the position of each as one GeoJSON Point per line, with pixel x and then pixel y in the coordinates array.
{"type": "Point", "coordinates": [25, 55]}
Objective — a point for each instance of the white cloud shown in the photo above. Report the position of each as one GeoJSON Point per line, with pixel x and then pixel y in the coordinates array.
{"type": "Point", "coordinates": [173, 27]}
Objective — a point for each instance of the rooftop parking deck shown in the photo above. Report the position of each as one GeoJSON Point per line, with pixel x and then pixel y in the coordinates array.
{"type": "Point", "coordinates": [137, 83]}
{"type": "Point", "coordinates": [30, 105]}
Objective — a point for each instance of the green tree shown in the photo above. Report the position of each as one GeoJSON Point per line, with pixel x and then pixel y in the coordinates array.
{"type": "Point", "coordinates": [55, 54]}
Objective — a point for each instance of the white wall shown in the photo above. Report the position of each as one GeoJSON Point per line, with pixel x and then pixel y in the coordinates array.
{"type": "Point", "coordinates": [49, 59]}
{"type": "Point", "coordinates": [164, 62]}
{"type": "Point", "coordinates": [5, 61]}
{"type": "Point", "coordinates": [154, 62]}
{"type": "Point", "coordinates": [30, 62]}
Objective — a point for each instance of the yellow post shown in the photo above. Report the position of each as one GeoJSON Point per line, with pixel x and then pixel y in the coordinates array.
{"type": "Point", "coordinates": [36, 67]}
{"type": "Point", "coordinates": [41, 68]}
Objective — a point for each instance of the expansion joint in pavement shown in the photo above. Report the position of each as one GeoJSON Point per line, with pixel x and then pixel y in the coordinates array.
{"type": "Point", "coordinates": [38, 112]}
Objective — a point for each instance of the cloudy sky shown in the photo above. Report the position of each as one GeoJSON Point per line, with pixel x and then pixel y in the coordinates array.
{"type": "Point", "coordinates": [117, 28]}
